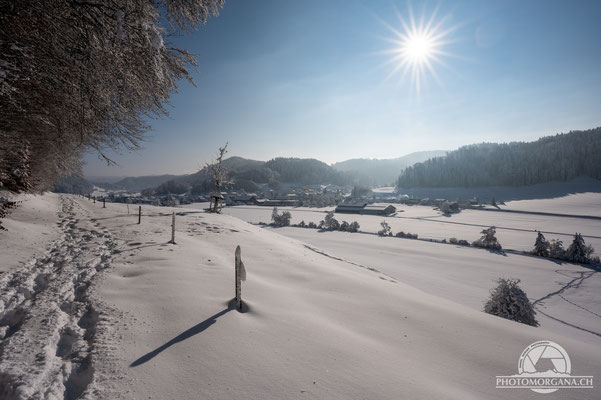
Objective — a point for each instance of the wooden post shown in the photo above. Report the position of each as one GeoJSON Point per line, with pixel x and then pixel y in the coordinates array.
{"type": "Point", "coordinates": [173, 228]}
{"type": "Point", "coordinates": [128, 209]}
{"type": "Point", "coordinates": [103, 202]}
{"type": "Point", "coordinates": [94, 199]}
{"type": "Point", "coordinates": [240, 275]}
{"type": "Point", "coordinates": [139, 214]}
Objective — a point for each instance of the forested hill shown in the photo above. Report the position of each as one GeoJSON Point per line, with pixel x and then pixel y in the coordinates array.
{"type": "Point", "coordinates": [379, 172]}
{"type": "Point", "coordinates": [251, 174]}
{"type": "Point", "coordinates": [553, 158]}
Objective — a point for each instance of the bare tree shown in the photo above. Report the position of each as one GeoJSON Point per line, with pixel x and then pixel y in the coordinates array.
{"type": "Point", "coordinates": [219, 175]}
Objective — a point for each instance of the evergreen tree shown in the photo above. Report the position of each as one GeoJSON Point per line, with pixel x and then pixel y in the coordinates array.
{"type": "Point", "coordinates": [577, 251]}
{"type": "Point", "coordinates": [541, 246]}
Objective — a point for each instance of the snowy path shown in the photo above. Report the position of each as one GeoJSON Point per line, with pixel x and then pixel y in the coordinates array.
{"type": "Point", "coordinates": [52, 327]}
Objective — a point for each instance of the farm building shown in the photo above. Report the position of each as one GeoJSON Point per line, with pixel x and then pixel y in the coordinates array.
{"type": "Point", "coordinates": [364, 208]}
{"type": "Point", "coordinates": [242, 199]}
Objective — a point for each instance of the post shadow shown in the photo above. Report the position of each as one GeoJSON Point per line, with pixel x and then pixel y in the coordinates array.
{"type": "Point", "coordinates": [196, 329]}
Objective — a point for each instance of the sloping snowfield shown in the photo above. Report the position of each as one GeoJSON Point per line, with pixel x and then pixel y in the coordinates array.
{"type": "Point", "coordinates": [515, 231]}
{"type": "Point", "coordinates": [111, 310]}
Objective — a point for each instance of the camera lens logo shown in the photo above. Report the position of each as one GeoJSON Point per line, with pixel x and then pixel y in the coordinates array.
{"type": "Point", "coordinates": [544, 367]}
{"type": "Point", "coordinates": [545, 359]}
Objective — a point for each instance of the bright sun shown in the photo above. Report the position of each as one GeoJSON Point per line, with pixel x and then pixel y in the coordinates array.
{"type": "Point", "coordinates": [417, 48]}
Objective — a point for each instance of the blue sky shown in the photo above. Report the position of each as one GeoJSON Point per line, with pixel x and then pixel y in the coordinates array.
{"type": "Point", "coordinates": [312, 79]}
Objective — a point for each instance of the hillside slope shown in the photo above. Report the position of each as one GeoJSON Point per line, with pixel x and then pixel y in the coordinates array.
{"type": "Point", "coordinates": [316, 327]}
{"type": "Point", "coordinates": [552, 158]}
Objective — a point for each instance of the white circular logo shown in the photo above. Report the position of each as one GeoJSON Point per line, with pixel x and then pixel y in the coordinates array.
{"type": "Point", "coordinates": [544, 359]}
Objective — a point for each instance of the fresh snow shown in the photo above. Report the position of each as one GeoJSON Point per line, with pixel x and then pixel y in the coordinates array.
{"type": "Point", "coordinates": [110, 310]}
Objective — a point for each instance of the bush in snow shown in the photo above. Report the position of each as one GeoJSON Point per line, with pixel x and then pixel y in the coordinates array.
{"type": "Point", "coordinates": [556, 249]}
{"type": "Point", "coordinates": [541, 246]}
{"type": "Point", "coordinates": [329, 222]}
{"type": "Point", "coordinates": [459, 242]}
{"type": "Point", "coordinates": [507, 300]}
{"type": "Point", "coordinates": [302, 224]}
{"type": "Point", "coordinates": [385, 231]}
{"type": "Point", "coordinates": [354, 227]}
{"type": "Point", "coordinates": [488, 240]}
{"type": "Point", "coordinates": [406, 235]}
{"type": "Point", "coordinates": [280, 219]}
{"type": "Point", "coordinates": [312, 225]}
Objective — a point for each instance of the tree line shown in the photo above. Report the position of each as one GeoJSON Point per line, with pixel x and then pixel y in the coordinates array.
{"type": "Point", "coordinates": [553, 158]}
{"type": "Point", "coordinates": [84, 75]}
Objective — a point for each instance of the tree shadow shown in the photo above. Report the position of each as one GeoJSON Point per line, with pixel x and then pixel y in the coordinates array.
{"type": "Point", "coordinates": [195, 330]}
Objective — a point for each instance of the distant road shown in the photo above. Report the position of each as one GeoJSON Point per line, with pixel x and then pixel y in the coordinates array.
{"type": "Point", "coordinates": [538, 213]}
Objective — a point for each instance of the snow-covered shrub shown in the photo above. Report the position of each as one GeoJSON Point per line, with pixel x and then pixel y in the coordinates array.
{"type": "Point", "coordinates": [302, 224]}
{"type": "Point", "coordinates": [349, 227]}
{"type": "Point", "coordinates": [463, 242]}
{"type": "Point", "coordinates": [354, 227]}
{"type": "Point", "coordinates": [280, 219]}
{"type": "Point", "coordinates": [488, 240]}
{"type": "Point", "coordinates": [385, 231]}
{"type": "Point", "coordinates": [541, 246]}
{"type": "Point", "coordinates": [329, 222]}
{"type": "Point", "coordinates": [507, 300]}
{"type": "Point", "coordinates": [453, 240]}
{"type": "Point", "coordinates": [556, 249]}
{"type": "Point", "coordinates": [407, 235]}
{"type": "Point", "coordinates": [312, 225]}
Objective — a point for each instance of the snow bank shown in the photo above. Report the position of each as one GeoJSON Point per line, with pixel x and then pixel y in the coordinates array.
{"type": "Point", "coordinates": [315, 326]}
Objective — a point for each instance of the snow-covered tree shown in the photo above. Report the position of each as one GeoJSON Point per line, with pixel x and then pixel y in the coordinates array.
{"type": "Point", "coordinates": [541, 246]}
{"type": "Point", "coordinates": [488, 239]}
{"type": "Point", "coordinates": [330, 222]}
{"type": "Point", "coordinates": [577, 251]}
{"type": "Point", "coordinates": [280, 219]}
{"type": "Point", "coordinates": [385, 231]}
{"type": "Point", "coordinates": [556, 249]}
{"type": "Point", "coordinates": [509, 301]}
{"type": "Point", "coordinates": [86, 75]}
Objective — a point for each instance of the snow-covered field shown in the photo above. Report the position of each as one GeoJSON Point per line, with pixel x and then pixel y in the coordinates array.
{"type": "Point", "coordinates": [108, 309]}
{"type": "Point", "coordinates": [515, 231]}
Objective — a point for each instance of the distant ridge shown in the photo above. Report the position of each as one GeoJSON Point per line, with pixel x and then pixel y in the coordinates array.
{"type": "Point", "coordinates": [378, 172]}
{"type": "Point", "coordinates": [560, 158]}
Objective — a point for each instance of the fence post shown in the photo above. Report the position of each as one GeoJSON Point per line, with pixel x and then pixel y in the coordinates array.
{"type": "Point", "coordinates": [128, 209]}
{"type": "Point", "coordinates": [139, 214]}
{"type": "Point", "coordinates": [94, 199]}
{"type": "Point", "coordinates": [173, 228]}
{"type": "Point", "coordinates": [103, 202]}
{"type": "Point", "coordinates": [240, 275]}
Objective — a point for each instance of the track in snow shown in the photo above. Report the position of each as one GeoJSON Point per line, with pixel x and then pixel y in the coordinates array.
{"type": "Point", "coordinates": [49, 321]}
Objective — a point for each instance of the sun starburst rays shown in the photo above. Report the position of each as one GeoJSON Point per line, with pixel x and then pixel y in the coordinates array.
{"type": "Point", "coordinates": [417, 48]}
